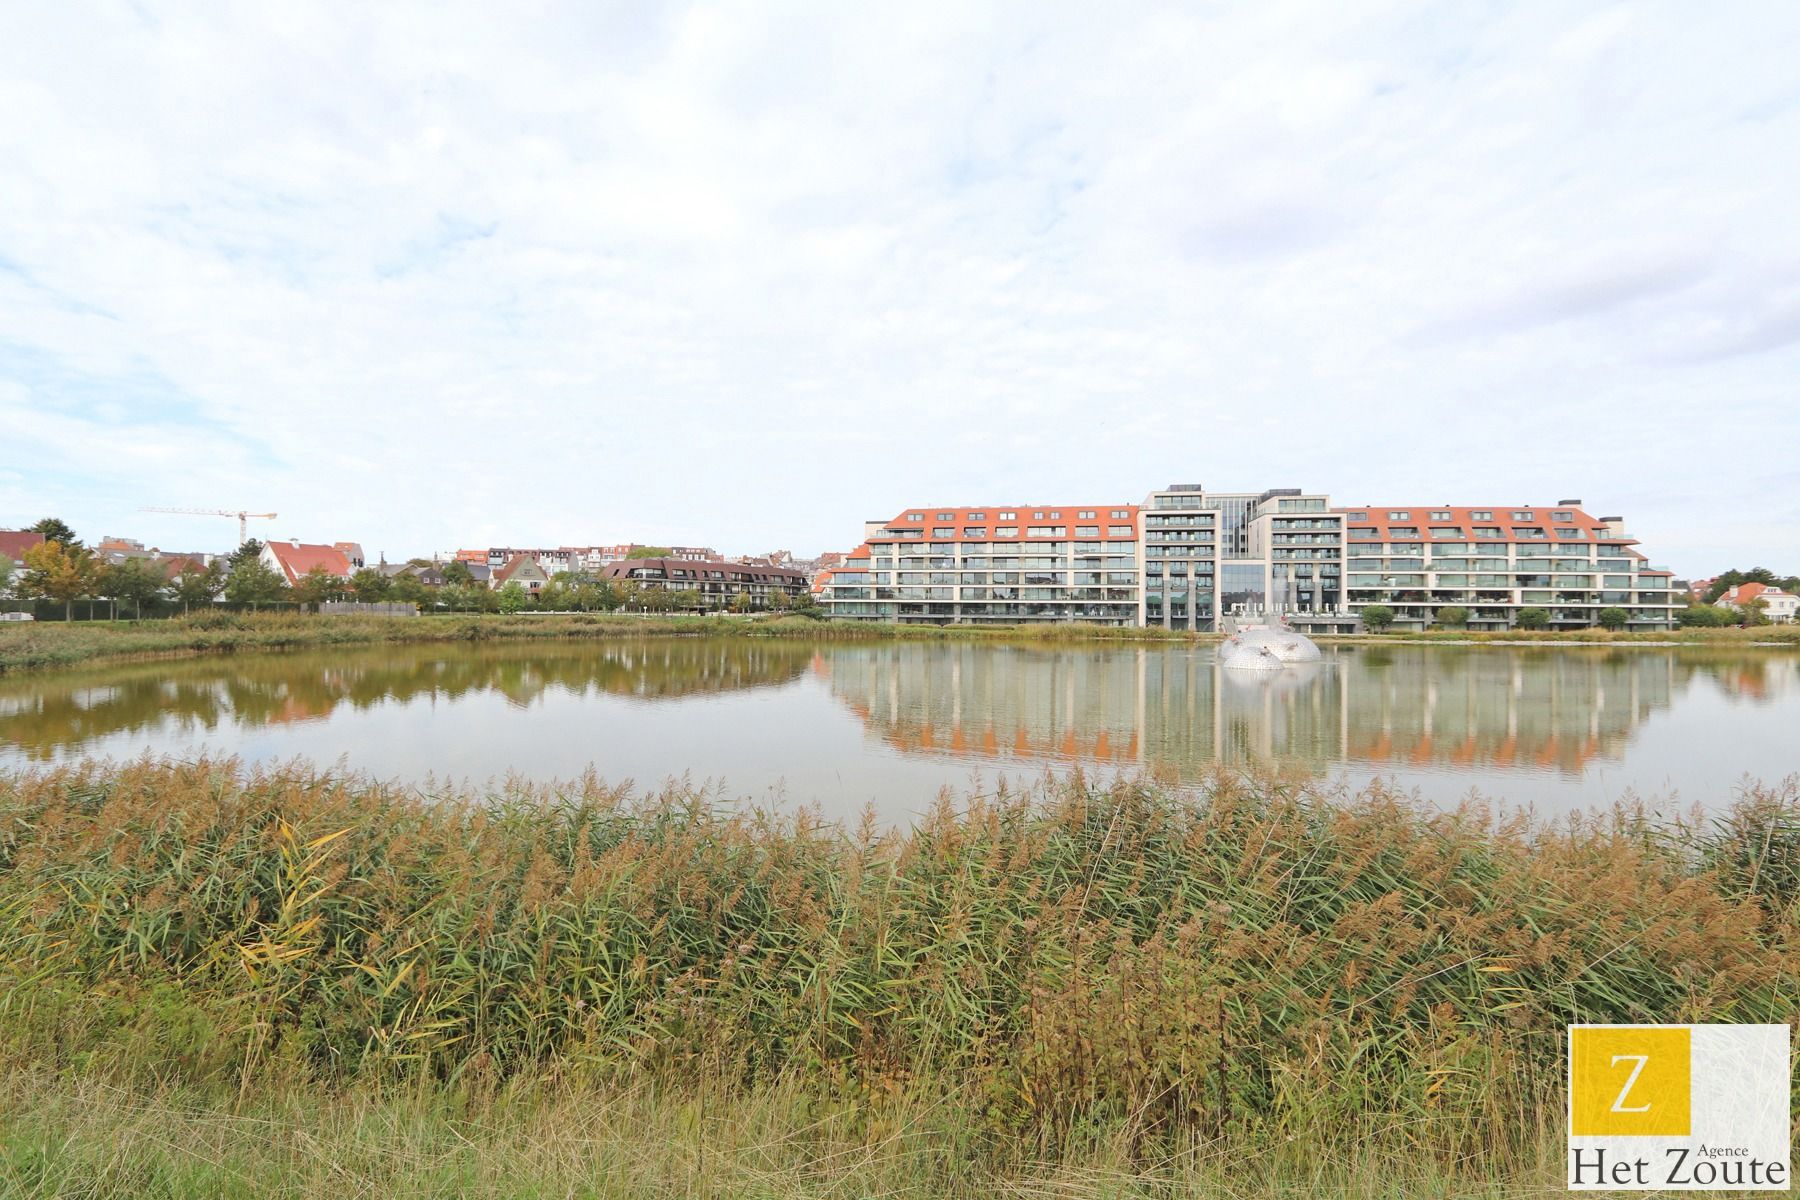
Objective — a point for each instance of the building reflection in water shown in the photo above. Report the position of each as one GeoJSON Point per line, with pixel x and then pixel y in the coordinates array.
{"type": "Point", "coordinates": [1175, 709]}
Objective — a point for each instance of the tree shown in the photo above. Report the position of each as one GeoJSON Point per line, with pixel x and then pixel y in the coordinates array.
{"type": "Point", "coordinates": [6, 573]}
{"type": "Point", "coordinates": [1533, 618]}
{"type": "Point", "coordinates": [55, 530]}
{"type": "Point", "coordinates": [687, 598]}
{"type": "Point", "coordinates": [1754, 611]}
{"type": "Point", "coordinates": [742, 603]}
{"type": "Point", "coordinates": [1614, 619]}
{"type": "Point", "coordinates": [1377, 617]}
{"type": "Point", "coordinates": [134, 580]}
{"type": "Point", "coordinates": [807, 605]}
{"type": "Point", "coordinates": [317, 586]}
{"type": "Point", "coordinates": [457, 574]}
{"type": "Point", "coordinates": [252, 581]}
{"type": "Point", "coordinates": [1453, 616]}
{"type": "Point", "coordinates": [650, 552]}
{"type": "Point", "coordinates": [1704, 616]}
{"type": "Point", "coordinates": [56, 571]}
{"type": "Point", "coordinates": [369, 585]}
{"type": "Point", "coordinates": [251, 549]}
{"type": "Point", "coordinates": [513, 598]}
{"type": "Point", "coordinates": [200, 585]}
{"type": "Point", "coordinates": [408, 589]}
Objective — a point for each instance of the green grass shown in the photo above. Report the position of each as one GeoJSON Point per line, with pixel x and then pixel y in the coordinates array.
{"type": "Point", "coordinates": [38, 645]}
{"type": "Point", "coordinates": [49, 644]}
{"type": "Point", "coordinates": [70, 1137]}
{"type": "Point", "coordinates": [297, 981]}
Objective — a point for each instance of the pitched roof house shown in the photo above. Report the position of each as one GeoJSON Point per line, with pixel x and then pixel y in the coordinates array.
{"type": "Point", "coordinates": [524, 570]}
{"type": "Point", "coordinates": [294, 560]}
{"type": "Point", "coordinates": [1779, 606]}
{"type": "Point", "coordinates": [15, 542]}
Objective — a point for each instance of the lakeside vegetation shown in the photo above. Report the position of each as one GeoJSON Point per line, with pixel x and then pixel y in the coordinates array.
{"type": "Point", "coordinates": [1117, 987]}
{"type": "Point", "coordinates": [31, 645]}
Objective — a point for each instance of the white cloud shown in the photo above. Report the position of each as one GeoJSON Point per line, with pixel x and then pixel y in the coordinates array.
{"type": "Point", "coordinates": [427, 275]}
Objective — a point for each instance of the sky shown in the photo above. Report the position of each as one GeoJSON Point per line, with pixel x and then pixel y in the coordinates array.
{"type": "Point", "coordinates": [429, 276]}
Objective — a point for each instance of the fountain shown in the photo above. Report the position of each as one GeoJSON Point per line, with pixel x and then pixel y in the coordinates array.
{"type": "Point", "coordinates": [1261, 646]}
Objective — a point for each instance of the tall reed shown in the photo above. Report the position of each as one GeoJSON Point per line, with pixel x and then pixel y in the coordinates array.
{"type": "Point", "coordinates": [1250, 961]}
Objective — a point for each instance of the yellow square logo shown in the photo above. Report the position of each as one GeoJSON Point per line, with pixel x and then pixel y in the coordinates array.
{"type": "Point", "coordinates": [1631, 1080]}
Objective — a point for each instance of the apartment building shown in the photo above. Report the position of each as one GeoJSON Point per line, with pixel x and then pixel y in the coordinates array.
{"type": "Point", "coordinates": [1001, 563]}
{"type": "Point", "coordinates": [719, 583]}
{"type": "Point", "coordinates": [1496, 561]}
{"type": "Point", "coordinates": [1191, 559]}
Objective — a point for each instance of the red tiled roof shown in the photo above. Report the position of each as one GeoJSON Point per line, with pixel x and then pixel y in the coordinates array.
{"type": "Point", "coordinates": [1373, 517]}
{"type": "Point", "coordinates": [987, 518]}
{"type": "Point", "coordinates": [298, 559]}
{"type": "Point", "coordinates": [15, 542]}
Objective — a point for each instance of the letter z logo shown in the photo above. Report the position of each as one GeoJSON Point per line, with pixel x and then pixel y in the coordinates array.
{"type": "Point", "coordinates": [1632, 1080]}
{"type": "Point", "coordinates": [1618, 1105]}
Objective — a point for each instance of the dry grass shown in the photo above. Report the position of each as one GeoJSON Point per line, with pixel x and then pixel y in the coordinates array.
{"type": "Point", "coordinates": [1076, 991]}
{"type": "Point", "coordinates": [37, 645]}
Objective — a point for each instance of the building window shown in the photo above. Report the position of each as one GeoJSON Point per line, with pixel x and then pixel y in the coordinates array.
{"type": "Point", "coordinates": [1356, 516]}
{"type": "Point", "coordinates": [975, 532]}
{"type": "Point", "coordinates": [1446, 532]}
{"type": "Point", "coordinates": [1009, 516]}
{"type": "Point", "coordinates": [946, 516]}
{"type": "Point", "coordinates": [1120, 531]}
{"type": "Point", "coordinates": [1569, 534]}
{"type": "Point", "coordinates": [943, 531]}
{"type": "Point", "coordinates": [1443, 516]}
{"type": "Point", "coordinates": [1491, 532]}
{"type": "Point", "coordinates": [1087, 531]}
{"type": "Point", "coordinates": [1399, 516]}
{"type": "Point", "coordinates": [1521, 516]}
{"type": "Point", "coordinates": [1121, 514]}
{"type": "Point", "coordinates": [915, 516]}
{"type": "Point", "coordinates": [1481, 515]}
{"type": "Point", "coordinates": [976, 516]}
{"type": "Point", "coordinates": [1085, 515]}
{"type": "Point", "coordinates": [1562, 516]}
{"type": "Point", "coordinates": [1007, 531]}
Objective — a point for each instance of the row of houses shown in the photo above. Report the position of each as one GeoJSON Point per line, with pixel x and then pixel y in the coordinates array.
{"type": "Point", "coordinates": [719, 582]}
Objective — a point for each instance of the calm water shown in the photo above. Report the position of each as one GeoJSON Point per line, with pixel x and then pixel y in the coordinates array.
{"type": "Point", "coordinates": [890, 724]}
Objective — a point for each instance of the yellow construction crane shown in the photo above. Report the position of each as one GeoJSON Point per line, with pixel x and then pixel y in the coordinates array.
{"type": "Point", "coordinates": [243, 517]}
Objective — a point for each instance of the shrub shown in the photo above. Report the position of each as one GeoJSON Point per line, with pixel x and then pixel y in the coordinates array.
{"type": "Point", "coordinates": [1453, 616]}
{"type": "Point", "coordinates": [1705, 616]}
{"type": "Point", "coordinates": [1377, 617]}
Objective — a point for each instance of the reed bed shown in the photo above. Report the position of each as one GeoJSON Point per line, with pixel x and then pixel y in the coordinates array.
{"type": "Point", "coordinates": [1238, 982]}
{"type": "Point", "coordinates": [35, 645]}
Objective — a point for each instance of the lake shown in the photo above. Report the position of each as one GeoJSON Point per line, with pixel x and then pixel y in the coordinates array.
{"type": "Point", "coordinates": [889, 724]}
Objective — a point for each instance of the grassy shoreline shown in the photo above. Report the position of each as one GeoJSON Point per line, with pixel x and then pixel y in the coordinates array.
{"type": "Point", "coordinates": [322, 984]}
{"type": "Point", "coordinates": [34, 646]}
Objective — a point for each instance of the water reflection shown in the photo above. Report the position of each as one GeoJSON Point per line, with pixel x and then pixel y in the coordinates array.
{"type": "Point", "coordinates": [889, 723]}
{"type": "Point", "coordinates": [43, 715]}
{"type": "Point", "coordinates": [1401, 706]}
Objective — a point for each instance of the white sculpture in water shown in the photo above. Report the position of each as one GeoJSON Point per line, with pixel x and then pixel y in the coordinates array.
{"type": "Point", "coordinates": [1260, 646]}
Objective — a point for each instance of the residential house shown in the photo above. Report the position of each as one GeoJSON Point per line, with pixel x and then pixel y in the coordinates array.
{"type": "Point", "coordinates": [524, 570]}
{"type": "Point", "coordinates": [15, 542]}
{"type": "Point", "coordinates": [1779, 606]}
{"type": "Point", "coordinates": [295, 560]}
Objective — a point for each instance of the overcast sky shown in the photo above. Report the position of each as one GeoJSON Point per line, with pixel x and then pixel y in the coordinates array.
{"type": "Point", "coordinates": [745, 275]}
